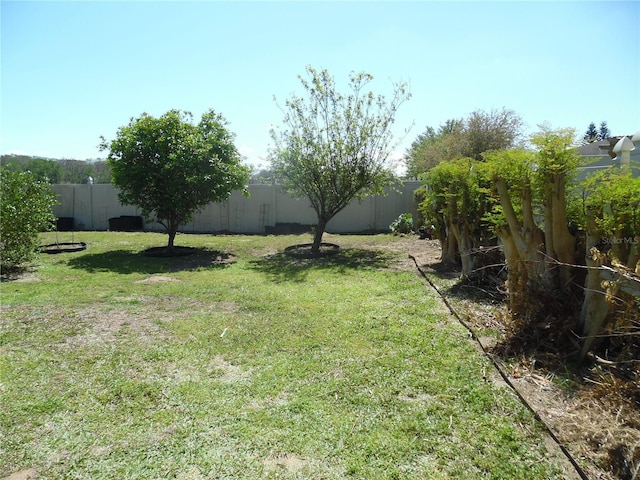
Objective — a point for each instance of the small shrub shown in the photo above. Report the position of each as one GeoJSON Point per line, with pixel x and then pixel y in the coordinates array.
{"type": "Point", "coordinates": [26, 210]}
{"type": "Point", "coordinates": [402, 224]}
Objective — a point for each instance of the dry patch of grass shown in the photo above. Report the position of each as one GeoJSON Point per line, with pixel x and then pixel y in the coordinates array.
{"type": "Point", "coordinates": [288, 463]}
{"type": "Point", "coordinates": [156, 279]}
{"type": "Point", "coordinates": [348, 367]}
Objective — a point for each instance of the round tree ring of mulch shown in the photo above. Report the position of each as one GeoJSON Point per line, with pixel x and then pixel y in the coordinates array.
{"type": "Point", "coordinates": [66, 247]}
{"type": "Point", "coordinates": [304, 250]}
{"type": "Point", "coordinates": [163, 252]}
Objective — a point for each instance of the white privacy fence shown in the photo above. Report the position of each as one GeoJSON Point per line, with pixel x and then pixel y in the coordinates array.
{"type": "Point", "coordinates": [91, 207]}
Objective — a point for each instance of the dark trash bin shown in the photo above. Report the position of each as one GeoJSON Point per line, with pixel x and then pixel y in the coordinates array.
{"type": "Point", "coordinates": [115, 224]}
{"type": "Point", "coordinates": [125, 223]}
{"type": "Point", "coordinates": [64, 224]}
{"type": "Point", "coordinates": [132, 222]}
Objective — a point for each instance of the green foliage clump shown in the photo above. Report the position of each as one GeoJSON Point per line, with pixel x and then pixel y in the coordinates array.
{"type": "Point", "coordinates": [402, 224]}
{"type": "Point", "coordinates": [26, 211]}
{"type": "Point", "coordinates": [614, 203]}
{"type": "Point", "coordinates": [171, 167]}
{"type": "Point", "coordinates": [455, 203]}
{"type": "Point", "coordinates": [469, 137]}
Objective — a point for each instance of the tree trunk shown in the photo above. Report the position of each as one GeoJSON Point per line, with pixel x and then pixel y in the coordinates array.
{"type": "Point", "coordinates": [444, 243]}
{"type": "Point", "coordinates": [633, 262]}
{"type": "Point", "coordinates": [449, 245]}
{"type": "Point", "coordinates": [510, 214]}
{"type": "Point", "coordinates": [594, 305]}
{"type": "Point", "coordinates": [533, 236]}
{"type": "Point", "coordinates": [563, 241]}
{"type": "Point", "coordinates": [517, 279]}
{"type": "Point", "coordinates": [317, 235]}
{"type": "Point", "coordinates": [525, 236]}
{"type": "Point", "coordinates": [465, 247]}
{"type": "Point", "coordinates": [172, 231]}
{"type": "Point", "coordinates": [548, 235]}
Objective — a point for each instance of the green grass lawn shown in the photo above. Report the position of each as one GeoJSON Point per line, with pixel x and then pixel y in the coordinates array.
{"type": "Point", "coordinates": [117, 365]}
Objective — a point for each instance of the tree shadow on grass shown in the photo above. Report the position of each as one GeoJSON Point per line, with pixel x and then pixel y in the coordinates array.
{"type": "Point", "coordinates": [485, 287]}
{"type": "Point", "coordinates": [282, 268]}
{"type": "Point", "coordinates": [479, 290]}
{"type": "Point", "coordinates": [443, 270]}
{"type": "Point", "coordinates": [126, 261]}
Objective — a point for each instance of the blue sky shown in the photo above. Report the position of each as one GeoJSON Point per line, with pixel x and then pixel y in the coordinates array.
{"type": "Point", "coordinates": [73, 71]}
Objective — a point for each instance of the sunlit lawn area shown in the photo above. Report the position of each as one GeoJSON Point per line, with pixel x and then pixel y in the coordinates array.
{"type": "Point", "coordinates": [117, 365]}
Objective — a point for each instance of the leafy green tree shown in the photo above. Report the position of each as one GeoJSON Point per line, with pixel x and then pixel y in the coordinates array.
{"type": "Point", "coordinates": [101, 172]}
{"type": "Point", "coordinates": [334, 147]}
{"type": "Point", "coordinates": [26, 206]}
{"type": "Point", "coordinates": [75, 171]}
{"type": "Point", "coordinates": [432, 147]}
{"type": "Point", "coordinates": [171, 168]}
{"type": "Point", "coordinates": [59, 171]}
{"type": "Point", "coordinates": [45, 170]}
{"type": "Point", "coordinates": [15, 162]}
{"type": "Point", "coordinates": [480, 132]}
{"type": "Point", "coordinates": [604, 132]}
{"type": "Point", "coordinates": [494, 130]}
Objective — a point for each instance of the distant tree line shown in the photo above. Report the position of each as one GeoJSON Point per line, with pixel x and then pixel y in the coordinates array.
{"type": "Point", "coordinates": [56, 171]}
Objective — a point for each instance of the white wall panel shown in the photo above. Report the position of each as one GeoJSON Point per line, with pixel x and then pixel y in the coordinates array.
{"type": "Point", "coordinates": [92, 206]}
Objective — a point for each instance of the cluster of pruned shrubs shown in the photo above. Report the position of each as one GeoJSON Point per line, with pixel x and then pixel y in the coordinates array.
{"type": "Point", "coordinates": [571, 248]}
